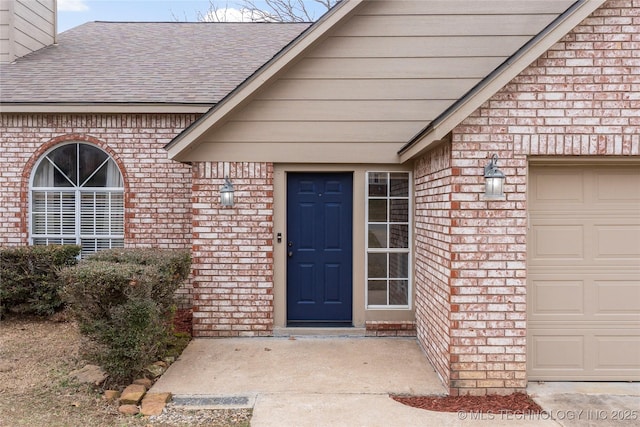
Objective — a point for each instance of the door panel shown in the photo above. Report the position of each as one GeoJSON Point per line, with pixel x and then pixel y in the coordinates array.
{"type": "Point", "coordinates": [319, 246]}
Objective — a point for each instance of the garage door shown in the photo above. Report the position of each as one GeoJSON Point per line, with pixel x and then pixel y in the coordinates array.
{"type": "Point", "coordinates": [583, 295]}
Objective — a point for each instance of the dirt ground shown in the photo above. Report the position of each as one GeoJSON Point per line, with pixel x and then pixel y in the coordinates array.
{"type": "Point", "coordinates": [36, 357]}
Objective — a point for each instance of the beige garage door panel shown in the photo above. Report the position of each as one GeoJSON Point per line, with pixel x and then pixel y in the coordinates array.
{"type": "Point", "coordinates": [591, 297]}
{"type": "Point", "coordinates": [620, 241]}
{"type": "Point", "coordinates": [599, 187]}
{"type": "Point", "coordinates": [584, 273]}
{"type": "Point", "coordinates": [581, 239]}
{"type": "Point", "coordinates": [584, 354]}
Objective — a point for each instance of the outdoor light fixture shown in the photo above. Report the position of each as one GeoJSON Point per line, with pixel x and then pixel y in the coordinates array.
{"type": "Point", "coordinates": [226, 193]}
{"type": "Point", "coordinates": [494, 180]}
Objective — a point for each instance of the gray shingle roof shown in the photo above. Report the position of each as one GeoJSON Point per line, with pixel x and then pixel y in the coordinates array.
{"type": "Point", "coordinates": [169, 62]}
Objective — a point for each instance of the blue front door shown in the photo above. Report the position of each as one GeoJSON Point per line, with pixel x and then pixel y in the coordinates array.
{"type": "Point", "coordinates": [319, 248]}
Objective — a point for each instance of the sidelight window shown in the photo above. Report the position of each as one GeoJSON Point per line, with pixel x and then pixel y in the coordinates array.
{"type": "Point", "coordinates": [388, 214]}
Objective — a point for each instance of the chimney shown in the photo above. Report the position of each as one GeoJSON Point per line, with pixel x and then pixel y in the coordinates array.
{"type": "Point", "coordinates": [26, 26]}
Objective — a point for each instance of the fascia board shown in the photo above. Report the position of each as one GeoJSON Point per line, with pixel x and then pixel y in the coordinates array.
{"type": "Point", "coordinates": [493, 83]}
{"type": "Point", "coordinates": [264, 75]}
{"type": "Point", "coordinates": [112, 108]}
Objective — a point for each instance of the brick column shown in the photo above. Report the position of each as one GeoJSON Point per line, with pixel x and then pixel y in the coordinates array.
{"type": "Point", "coordinates": [488, 269]}
{"type": "Point", "coordinates": [233, 251]}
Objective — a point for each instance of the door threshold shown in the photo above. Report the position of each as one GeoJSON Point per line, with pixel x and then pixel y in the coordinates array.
{"type": "Point", "coordinates": [318, 332]}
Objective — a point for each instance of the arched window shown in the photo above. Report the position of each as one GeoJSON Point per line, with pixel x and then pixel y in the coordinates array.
{"type": "Point", "coordinates": [77, 197]}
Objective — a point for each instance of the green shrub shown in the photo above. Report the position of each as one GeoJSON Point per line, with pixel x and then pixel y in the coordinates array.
{"type": "Point", "coordinates": [171, 268]}
{"type": "Point", "coordinates": [123, 301]}
{"type": "Point", "coordinates": [134, 337]}
{"type": "Point", "coordinates": [29, 283]}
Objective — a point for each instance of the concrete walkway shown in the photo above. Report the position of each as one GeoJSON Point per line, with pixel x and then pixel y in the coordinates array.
{"type": "Point", "coordinates": [307, 381]}
{"type": "Point", "coordinates": [589, 403]}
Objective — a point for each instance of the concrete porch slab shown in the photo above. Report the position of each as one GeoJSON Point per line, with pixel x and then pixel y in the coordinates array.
{"type": "Point", "coordinates": [251, 366]}
{"type": "Point", "coordinates": [346, 381]}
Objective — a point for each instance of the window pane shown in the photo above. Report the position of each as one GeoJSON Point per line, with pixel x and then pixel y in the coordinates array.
{"type": "Point", "coordinates": [92, 158]}
{"type": "Point", "coordinates": [377, 266]}
{"type": "Point", "coordinates": [53, 241]}
{"type": "Point", "coordinates": [398, 292]}
{"type": "Point", "coordinates": [43, 176]}
{"type": "Point", "coordinates": [378, 184]}
{"type": "Point", "coordinates": [61, 180]}
{"type": "Point", "coordinates": [117, 213]}
{"type": "Point", "coordinates": [65, 159]}
{"type": "Point", "coordinates": [398, 236]}
{"type": "Point", "coordinates": [98, 179]}
{"type": "Point", "coordinates": [377, 292]}
{"type": "Point", "coordinates": [87, 224]}
{"type": "Point", "coordinates": [398, 265]}
{"type": "Point", "coordinates": [53, 218]}
{"type": "Point", "coordinates": [377, 235]}
{"type": "Point", "coordinates": [399, 210]}
{"type": "Point", "coordinates": [103, 214]}
{"type": "Point", "coordinates": [107, 176]}
{"type": "Point", "coordinates": [38, 212]}
{"type": "Point", "coordinates": [68, 213]}
{"type": "Point", "coordinates": [38, 223]}
{"type": "Point", "coordinates": [90, 246]}
{"type": "Point", "coordinates": [377, 210]}
{"type": "Point", "coordinates": [399, 185]}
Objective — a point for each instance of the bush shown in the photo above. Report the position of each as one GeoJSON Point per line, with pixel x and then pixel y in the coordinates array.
{"type": "Point", "coordinates": [123, 301]}
{"type": "Point", "coordinates": [29, 283]}
{"type": "Point", "coordinates": [134, 337]}
{"type": "Point", "coordinates": [170, 269]}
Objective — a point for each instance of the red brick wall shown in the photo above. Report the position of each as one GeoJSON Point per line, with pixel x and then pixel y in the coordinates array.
{"type": "Point", "coordinates": [390, 328]}
{"type": "Point", "coordinates": [433, 177]}
{"type": "Point", "coordinates": [157, 201]}
{"type": "Point", "coordinates": [233, 251]}
{"type": "Point", "coordinates": [578, 100]}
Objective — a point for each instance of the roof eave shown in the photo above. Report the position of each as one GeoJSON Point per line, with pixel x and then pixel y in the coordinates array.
{"type": "Point", "coordinates": [495, 81]}
{"type": "Point", "coordinates": [188, 139]}
{"type": "Point", "coordinates": [111, 107]}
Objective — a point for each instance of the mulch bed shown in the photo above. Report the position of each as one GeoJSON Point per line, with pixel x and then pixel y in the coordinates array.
{"type": "Point", "coordinates": [517, 403]}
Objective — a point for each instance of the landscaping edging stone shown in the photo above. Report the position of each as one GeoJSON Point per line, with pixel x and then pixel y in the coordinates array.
{"type": "Point", "coordinates": [135, 400]}
{"type": "Point", "coordinates": [154, 403]}
{"type": "Point", "coordinates": [132, 394]}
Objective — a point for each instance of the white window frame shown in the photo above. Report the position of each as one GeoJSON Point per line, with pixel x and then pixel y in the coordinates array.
{"type": "Point", "coordinates": [114, 210]}
{"type": "Point", "coordinates": [408, 250]}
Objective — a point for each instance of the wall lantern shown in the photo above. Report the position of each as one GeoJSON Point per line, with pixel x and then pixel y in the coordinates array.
{"type": "Point", "coordinates": [226, 193]}
{"type": "Point", "coordinates": [494, 180]}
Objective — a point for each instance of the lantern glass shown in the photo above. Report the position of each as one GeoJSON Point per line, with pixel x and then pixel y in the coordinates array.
{"type": "Point", "coordinates": [226, 193]}
{"type": "Point", "coordinates": [494, 180]}
{"type": "Point", "coordinates": [493, 187]}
